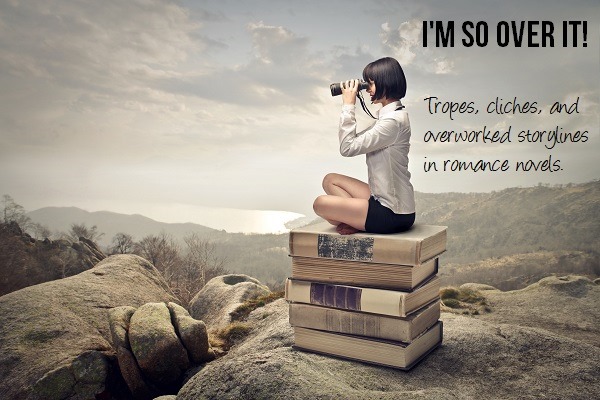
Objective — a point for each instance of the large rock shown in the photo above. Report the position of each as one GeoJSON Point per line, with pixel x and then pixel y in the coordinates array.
{"type": "Point", "coordinates": [192, 333]}
{"type": "Point", "coordinates": [25, 261]}
{"type": "Point", "coordinates": [566, 305]}
{"type": "Point", "coordinates": [118, 321]}
{"type": "Point", "coordinates": [156, 346]}
{"type": "Point", "coordinates": [478, 359]}
{"type": "Point", "coordinates": [55, 339]}
{"type": "Point", "coordinates": [119, 318]}
{"type": "Point", "coordinates": [222, 295]}
{"type": "Point", "coordinates": [132, 375]}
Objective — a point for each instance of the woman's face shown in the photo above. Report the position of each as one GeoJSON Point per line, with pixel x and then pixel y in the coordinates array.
{"type": "Point", "coordinates": [371, 90]}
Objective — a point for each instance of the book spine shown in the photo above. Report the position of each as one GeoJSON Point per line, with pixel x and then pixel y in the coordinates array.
{"type": "Point", "coordinates": [357, 248]}
{"type": "Point", "coordinates": [378, 301]}
{"type": "Point", "coordinates": [356, 323]}
{"type": "Point", "coordinates": [291, 242]}
{"type": "Point", "coordinates": [344, 297]}
{"type": "Point", "coordinates": [345, 247]}
{"type": "Point", "coordinates": [433, 245]}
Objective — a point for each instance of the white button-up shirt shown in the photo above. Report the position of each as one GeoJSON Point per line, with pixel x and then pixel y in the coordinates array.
{"type": "Point", "coordinates": [386, 144]}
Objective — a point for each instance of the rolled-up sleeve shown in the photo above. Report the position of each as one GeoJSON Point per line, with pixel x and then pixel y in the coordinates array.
{"type": "Point", "coordinates": [382, 134]}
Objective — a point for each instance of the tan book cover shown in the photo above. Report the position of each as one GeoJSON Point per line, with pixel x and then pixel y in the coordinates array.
{"type": "Point", "coordinates": [375, 351]}
{"type": "Point", "coordinates": [365, 324]}
{"type": "Point", "coordinates": [385, 276]}
{"type": "Point", "coordinates": [377, 301]}
{"type": "Point", "coordinates": [420, 243]}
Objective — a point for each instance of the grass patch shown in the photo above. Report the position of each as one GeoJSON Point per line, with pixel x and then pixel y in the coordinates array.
{"type": "Point", "coordinates": [226, 337]}
{"type": "Point", "coordinates": [452, 303]}
{"type": "Point", "coordinates": [244, 309]}
{"type": "Point", "coordinates": [463, 301]}
{"type": "Point", "coordinates": [223, 339]}
{"type": "Point", "coordinates": [471, 296]}
{"type": "Point", "coordinates": [449, 293]}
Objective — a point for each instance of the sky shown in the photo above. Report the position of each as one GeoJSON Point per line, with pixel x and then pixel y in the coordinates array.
{"type": "Point", "coordinates": [219, 112]}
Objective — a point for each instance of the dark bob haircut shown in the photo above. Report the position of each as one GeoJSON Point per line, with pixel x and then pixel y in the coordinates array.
{"type": "Point", "coordinates": [388, 77]}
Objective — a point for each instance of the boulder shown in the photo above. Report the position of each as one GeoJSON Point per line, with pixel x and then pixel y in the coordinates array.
{"type": "Point", "coordinates": [132, 375]}
{"type": "Point", "coordinates": [478, 359]}
{"type": "Point", "coordinates": [566, 305]}
{"type": "Point", "coordinates": [118, 320]}
{"type": "Point", "coordinates": [222, 295]}
{"type": "Point", "coordinates": [55, 337]}
{"type": "Point", "coordinates": [192, 333]}
{"type": "Point", "coordinates": [156, 346]}
{"type": "Point", "coordinates": [25, 261]}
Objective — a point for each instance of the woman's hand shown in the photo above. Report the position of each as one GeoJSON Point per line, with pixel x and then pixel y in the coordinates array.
{"type": "Point", "coordinates": [349, 91]}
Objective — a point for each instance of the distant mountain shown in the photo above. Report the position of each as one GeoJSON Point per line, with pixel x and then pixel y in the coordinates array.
{"type": "Point", "coordinates": [480, 226]}
{"type": "Point", "coordinates": [60, 219]}
{"type": "Point", "coordinates": [515, 220]}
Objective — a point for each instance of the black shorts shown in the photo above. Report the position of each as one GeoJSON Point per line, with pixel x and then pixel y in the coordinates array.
{"type": "Point", "coordinates": [381, 219]}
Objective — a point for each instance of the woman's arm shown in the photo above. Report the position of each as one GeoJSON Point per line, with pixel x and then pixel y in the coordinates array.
{"type": "Point", "coordinates": [382, 134]}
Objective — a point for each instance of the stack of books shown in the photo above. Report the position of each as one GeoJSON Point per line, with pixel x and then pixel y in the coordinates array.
{"type": "Point", "coordinates": [367, 297]}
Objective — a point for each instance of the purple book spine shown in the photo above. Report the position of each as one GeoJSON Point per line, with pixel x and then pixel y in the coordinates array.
{"type": "Point", "coordinates": [335, 296]}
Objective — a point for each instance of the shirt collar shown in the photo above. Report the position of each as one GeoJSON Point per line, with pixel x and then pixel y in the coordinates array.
{"type": "Point", "coordinates": [389, 108]}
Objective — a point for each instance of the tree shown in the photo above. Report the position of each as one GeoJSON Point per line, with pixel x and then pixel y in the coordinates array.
{"type": "Point", "coordinates": [13, 212]}
{"type": "Point", "coordinates": [40, 231]}
{"type": "Point", "coordinates": [200, 264]}
{"type": "Point", "coordinates": [185, 274]}
{"type": "Point", "coordinates": [163, 252]}
{"type": "Point", "coordinates": [81, 230]}
{"type": "Point", "coordinates": [122, 243]}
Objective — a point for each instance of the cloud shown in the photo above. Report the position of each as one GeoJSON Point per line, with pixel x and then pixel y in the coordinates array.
{"type": "Point", "coordinates": [281, 71]}
{"type": "Point", "coordinates": [95, 55]}
{"type": "Point", "coordinates": [402, 42]}
{"type": "Point", "coordinates": [276, 44]}
{"type": "Point", "coordinates": [405, 43]}
{"type": "Point", "coordinates": [92, 44]}
{"type": "Point", "coordinates": [86, 73]}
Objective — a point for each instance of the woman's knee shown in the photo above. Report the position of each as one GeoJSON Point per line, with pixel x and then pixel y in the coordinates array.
{"type": "Point", "coordinates": [319, 204]}
{"type": "Point", "coordinates": [329, 180]}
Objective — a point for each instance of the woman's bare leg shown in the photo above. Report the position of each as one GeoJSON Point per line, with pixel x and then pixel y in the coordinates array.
{"type": "Point", "coordinates": [346, 203]}
{"type": "Point", "coordinates": [346, 186]}
{"type": "Point", "coordinates": [342, 210]}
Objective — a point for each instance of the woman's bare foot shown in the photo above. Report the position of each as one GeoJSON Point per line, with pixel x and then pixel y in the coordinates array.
{"type": "Point", "coordinates": [345, 229]}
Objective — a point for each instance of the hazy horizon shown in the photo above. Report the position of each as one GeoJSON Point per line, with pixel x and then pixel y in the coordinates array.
{"type": "Point", "coordinates": [244, 221]}
{"type": "Point", "coordinates": [175, 108]}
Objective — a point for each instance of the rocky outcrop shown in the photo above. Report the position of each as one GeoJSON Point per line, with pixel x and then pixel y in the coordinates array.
{"type": "Point", "coordinates": [221, 296]}
{"type": "Point", "coordinates": [155, 345]}
{"type": "Point", "coordinates": [478, 359]}
{"type": "Point", "coordinates": [566, 305]}
{"type": "Point", "coordinates": [192, 332]}
{"type": "Point", "coordinates": [55, 337]}
{"type": "Point", "coordinates": [25, 261]}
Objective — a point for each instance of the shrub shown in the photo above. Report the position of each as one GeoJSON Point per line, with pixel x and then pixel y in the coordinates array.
{"type": "Point", "coordinates": [244, 309]}
{"type": "Point", "coordinates": [449, 293]}
{"type": "Point", "coordinates": [470, 296]}
{"type": "Point", "coordinates": [452, 303]}
{"type": "Point", "coordinates": [226, 337]}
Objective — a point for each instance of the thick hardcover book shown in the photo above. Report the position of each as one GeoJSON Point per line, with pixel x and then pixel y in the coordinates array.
{"type": "Point", "coordinates": [371, 300]}
{"type": "Point", "coordinates": [375, 351]}
{"type": "Point", "coordinates": [388, 276]}
{"type": "Point", "coordinates": [365, 324]}
{"type": "Point", "coordinates": [415, 246]}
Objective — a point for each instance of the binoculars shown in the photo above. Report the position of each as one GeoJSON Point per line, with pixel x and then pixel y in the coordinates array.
{"type": "Point", "coordinates": [336, 88]}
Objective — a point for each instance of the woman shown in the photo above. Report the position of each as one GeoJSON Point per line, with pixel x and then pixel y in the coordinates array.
{"type": "Point", "coordinates": [386, 204]}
